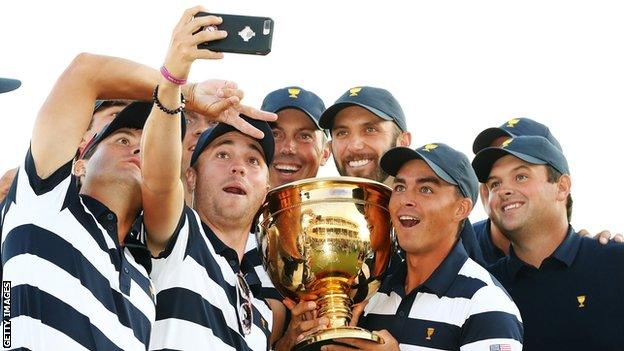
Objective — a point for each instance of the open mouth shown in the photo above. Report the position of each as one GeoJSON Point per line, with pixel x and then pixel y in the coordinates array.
{"type": "Point", "coordinates": [512, 206]}
{"type": "Point", "coordinates": [408, 221]}
{"type": "Point", "coordinates": [286, 168]}
{"type": "Point", "coordinates": [234, 190]}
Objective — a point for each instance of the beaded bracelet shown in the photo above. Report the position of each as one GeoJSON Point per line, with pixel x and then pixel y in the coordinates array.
{"type": "Point", "coordinates": [163, 108]}
{"type": "Point", "coordinates": [165, 73]}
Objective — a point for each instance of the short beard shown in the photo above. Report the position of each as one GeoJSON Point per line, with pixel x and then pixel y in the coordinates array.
{"type": "Point", "coordinates": [377, 174]}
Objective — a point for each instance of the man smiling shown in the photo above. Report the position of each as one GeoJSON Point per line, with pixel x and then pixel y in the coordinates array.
{"type": "Point", "coordinates": [364, 123]}
{"type": "Point", "coordinates": [300, 144]}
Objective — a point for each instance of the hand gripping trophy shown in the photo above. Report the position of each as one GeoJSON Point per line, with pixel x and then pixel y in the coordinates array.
{"type": "Point", "coordinates": [327, 240]}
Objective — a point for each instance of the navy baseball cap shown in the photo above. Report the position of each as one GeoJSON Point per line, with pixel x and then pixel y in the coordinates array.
{"type": "Point", "coordinates": [209, 135]}
{"type": "Point", "coordinates": [7, 84]}
{"type": "Point", "coordinates": [536, 150]}
{"type": "Point", "coordinates": [376, 100]}
{"type": "Point", "coordinates": [132, 116]}
{"type": "Point", "coordinates": [513, 128]}
{"type": "Point", "coordinates": [447, 163]}
{"type": "Point", "coordinates": [297, 98]}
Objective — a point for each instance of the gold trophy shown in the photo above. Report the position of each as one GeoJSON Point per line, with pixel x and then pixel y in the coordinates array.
{"type": "Point", "coordinates": [327, 240]}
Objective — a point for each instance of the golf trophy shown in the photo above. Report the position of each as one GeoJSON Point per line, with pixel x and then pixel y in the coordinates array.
{"type": "Point", "coordinates": [327, 240]}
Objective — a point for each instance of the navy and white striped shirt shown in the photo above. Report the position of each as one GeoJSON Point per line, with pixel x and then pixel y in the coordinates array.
{"type": "Point", "coordinates": [195, 280]}
{"type": "Point", "coordinates": [73, 287]}
{"type": "Point", "coordinates": [459, 307]}
{"type": "Point", "coordinates": [252, 257]}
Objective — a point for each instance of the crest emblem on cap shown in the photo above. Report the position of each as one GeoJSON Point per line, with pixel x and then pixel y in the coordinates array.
{"type": "Point", "coordinates": [293, 92]}
{"type": "Point", "coordinates": [512, 122]}
{"type": "Point", "coordinates": [507, 142]}
{"type": "Point", "coordinates": [354, 91]}
{"type": "Point", "coordinates": [430, 147]}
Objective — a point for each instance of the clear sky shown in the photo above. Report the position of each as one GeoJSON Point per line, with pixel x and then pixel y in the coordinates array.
{"type": "Point", "coordinates": [457, 67]}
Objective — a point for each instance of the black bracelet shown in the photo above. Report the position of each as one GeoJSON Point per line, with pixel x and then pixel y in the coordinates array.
{"type": "Point", "coordinates": [163, 108]}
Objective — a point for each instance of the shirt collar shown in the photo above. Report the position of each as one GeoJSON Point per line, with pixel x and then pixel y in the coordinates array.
{"type": "Point", "coordinates": [440, 280]}
{"type": "Point", "coordinates": [564, 253]}
{"type": "Point", "coordinates": [230, 254]}
{"type": "Point", "coordinates": [135, 243]}
{"type": "Point", "coordinates": [103, 215]}
{"type": "Point", "coordinates": [569, 247]}
{"type": "Point", "coordinates": [133, 240]}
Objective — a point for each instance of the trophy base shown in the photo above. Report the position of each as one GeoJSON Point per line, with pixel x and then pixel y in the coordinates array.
{"type": "Point", "coordinates": [328, 336]}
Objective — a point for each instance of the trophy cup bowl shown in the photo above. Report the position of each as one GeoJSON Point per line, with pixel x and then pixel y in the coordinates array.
{"type": "Point", "coordinates": [327, 240]}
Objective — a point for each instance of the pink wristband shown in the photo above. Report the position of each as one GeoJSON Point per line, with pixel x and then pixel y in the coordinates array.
{"type": "Point", "coordinates": [169, 77]}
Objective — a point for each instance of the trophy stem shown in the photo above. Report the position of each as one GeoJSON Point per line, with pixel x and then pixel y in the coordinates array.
{"type": "Point", "coordinates": [334, 303]}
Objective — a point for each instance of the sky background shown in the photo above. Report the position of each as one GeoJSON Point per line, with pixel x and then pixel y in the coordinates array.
{"type": "Point", "coordinates": [457, 67]}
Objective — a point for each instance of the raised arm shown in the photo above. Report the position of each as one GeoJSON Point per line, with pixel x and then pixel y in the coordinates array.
{"type": "Point", "coordinates": [66, 113]}
{"type": "Point", "coordinates": [162, 190]}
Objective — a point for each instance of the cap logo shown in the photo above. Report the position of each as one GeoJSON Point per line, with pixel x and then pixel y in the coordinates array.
{"type": "Point", "coordinates": [293, 92]}
{"type": "Point", "coordinates": [507, 142]}
{"type": "Point", "coordinates": [430, 147]}
{"type": "Point", "coordinates": [354, 91]}
{"type": "Point", "coordinates": [512, 122]}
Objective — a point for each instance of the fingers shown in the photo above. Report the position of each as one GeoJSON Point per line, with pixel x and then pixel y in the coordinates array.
{"type": "Point", "coordinates": [356, 312]}
{"type": "Point", "coordinates": [618, 238]}
{"type": "Point", "coordinates": [604, 236]}
{"type": "Point", "coordinates": [205, 35]}
{"type": "Point", "coordinates": [257, 114]}
{"type": "Point", "coordinates": [290, 304]}
{"type": "Point", "coordinates": [223, 105]}
{"type": "Point", "coordinates": [197, 23]}
{"type": "Point", "coordinates": [348, 345]}
{"type": "Point", "coordinates": [226, 92]}
{"type": "Point", "coordinates": [188, 15]}
{"type": "Point", "coordinates": [307, 328]}
{"type": "Point", "coordinates": [303, 307]}
{"type": "Point", "coordinates": [384, 335]}
{"type": "Point", "coordinates": [336, 348]}
{"type": "Point", "coordinates": [243, 126]}
{"type": "Point", "coordinates": [583, 232]}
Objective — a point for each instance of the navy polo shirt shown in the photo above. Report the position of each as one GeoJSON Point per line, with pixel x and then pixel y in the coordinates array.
{"type": "Point", "coordinates": [491, 253]}
{"type": "Point", "coordinates": [471, 243]}
{"type": "Point", "coordinates": [574, 300]}
{"type": "Point", "coordinates": [469, 239]}
{"type": "Point", "coordinates": [459, 307]}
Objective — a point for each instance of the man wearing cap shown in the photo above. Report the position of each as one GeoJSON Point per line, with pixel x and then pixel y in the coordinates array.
{"type": "Point", "coordinates": [73, 282]}
{"type": "Point", "coordinates": [568, 288]}
{"type": "Point", "coordinates": [202, 301]}
{"type": "Point", "coordinates": [438, 299]}
{"type": "Point", "coordinates": [493, 244]}
{"type": "Point", "coordinates": [300, 144]}
{"type": "Point", "coordinates": [208, 295]}
{"type": "Point", "coordinates": [364, 123]}
{"type": "Point", "coordinates": [77, 280]}
{"type": "Point", "coordinates": [103, 113]}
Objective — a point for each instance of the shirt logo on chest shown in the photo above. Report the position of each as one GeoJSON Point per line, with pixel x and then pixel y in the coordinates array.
{"type": "Point", "coordinates": [430, 332]}
{"type": "Point", "coordinates": [581, 300]}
